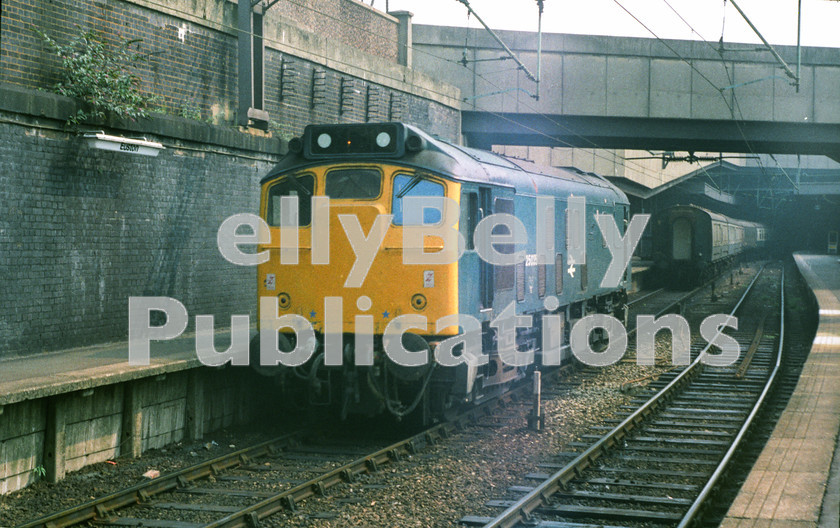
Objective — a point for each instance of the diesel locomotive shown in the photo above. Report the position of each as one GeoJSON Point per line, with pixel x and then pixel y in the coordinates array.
{"type": "Point", "coordinates": [692, 244]}
{"type": "Point", "coordinates": [340, 199]}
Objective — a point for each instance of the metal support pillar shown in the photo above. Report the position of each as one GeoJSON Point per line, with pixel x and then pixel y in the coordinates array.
{"type": "Point", "coordinates": [250, 110]}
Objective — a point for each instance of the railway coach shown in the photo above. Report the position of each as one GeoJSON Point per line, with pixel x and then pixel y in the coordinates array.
{"type": "Point", "coordinates": [369, 173]}
{"type": "Point", "coordinates": [693, 244]}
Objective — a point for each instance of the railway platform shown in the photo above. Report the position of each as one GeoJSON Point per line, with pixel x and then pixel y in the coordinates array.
{"type": "Point", "coordinates": [63, 410]}
{"type": "Point", "coordinates": [795, 483]}
{"type": "Point", "coordinates": [63, 371]}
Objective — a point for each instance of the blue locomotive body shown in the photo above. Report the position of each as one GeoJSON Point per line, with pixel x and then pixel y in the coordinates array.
{"type": "Point", "coordinates": [397, 161]}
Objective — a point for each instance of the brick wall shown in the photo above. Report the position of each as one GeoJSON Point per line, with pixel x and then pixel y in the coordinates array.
{"type": "Point", "coordinates": [347, 21]}
{"type": "Point", "coordinates": [303, 92]}
{"type": "Point", "coordinates": [193, 58]}
{"type": "Point", "coordinates": [82, 230]}
{"type": "Point", "coordinates": [199, 70]}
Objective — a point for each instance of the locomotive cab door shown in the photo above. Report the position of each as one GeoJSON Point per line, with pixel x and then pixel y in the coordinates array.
{"type": "Point", "coordinates": [476, 277]}
{"type": "Point", "coordinates": [485, 272]}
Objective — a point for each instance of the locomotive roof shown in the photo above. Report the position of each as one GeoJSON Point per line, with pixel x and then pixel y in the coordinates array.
{"type": "Point", "coordinates": [466, 164]}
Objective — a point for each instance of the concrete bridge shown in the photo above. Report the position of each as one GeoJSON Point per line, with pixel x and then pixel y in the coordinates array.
{"type": "Point", "coordinates": [632, 93]}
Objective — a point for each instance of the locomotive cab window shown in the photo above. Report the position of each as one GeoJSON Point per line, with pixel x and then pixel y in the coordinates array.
{"type": "Point", "coordinates": [302, 186]}
{"type": "Point", "coordinates": [357, 184]}
{"type": "Point", "coordinates": [405, 185]}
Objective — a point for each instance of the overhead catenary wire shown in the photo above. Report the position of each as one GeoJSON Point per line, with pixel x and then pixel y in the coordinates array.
{"type": "Point", "coordinates": [772, 50]}
{"type": "Point", "coordinates": [612, 158]}
{"type": "Point", "coordinates": [498, 39]}
{"type": "Point", "coordinates": [732, 107]}
{"type": "Point", "coordinates": [735, 106]}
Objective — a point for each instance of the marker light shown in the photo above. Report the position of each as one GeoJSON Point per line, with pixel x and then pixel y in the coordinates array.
{"type": "Point", "coordinates": [354, 140]}
{"type": "Point", "coordinates": [418, 301]}
{"type": "Point", "coordinates": [324, 141]}
{"type": "Point", "coordinates": [284, 300]}
{"type": "Point", "coordinates": [383, 139]}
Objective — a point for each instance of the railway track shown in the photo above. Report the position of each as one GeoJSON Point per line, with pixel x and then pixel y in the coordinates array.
{"type": "Point", "coordinates": [662, 300]}
{"type": "Point", "coordinates": [246, 486]}
{"type": "Point", "coordinates": [657, 464]}
{"type": "Point", "coordinates": [249, 485]}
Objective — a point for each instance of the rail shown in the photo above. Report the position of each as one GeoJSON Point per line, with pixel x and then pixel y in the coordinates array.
{"type": "Point", "coordinates": [102, 509]}
{"type": "Point", "coordinates": [98, 508]}
{"type": "Point", "coordinates": [695, 508]}
{"type": "Point", "coordinates": [522, 509]}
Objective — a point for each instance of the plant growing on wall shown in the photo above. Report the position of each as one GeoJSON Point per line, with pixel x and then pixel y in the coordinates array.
{"type": "Point", "coordinates": [100, 73]}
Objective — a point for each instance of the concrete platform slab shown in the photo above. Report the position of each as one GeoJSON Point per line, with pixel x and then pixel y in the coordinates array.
{"type": "Point", "coordinates": [41, 375]}
{"type": "Point", "coordinates": [788, 485]}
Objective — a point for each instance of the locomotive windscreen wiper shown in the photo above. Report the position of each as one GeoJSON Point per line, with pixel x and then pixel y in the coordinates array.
{"type": "Point", "coordinates": [410, 185]}
{"type": "Point", "coordinates": [299, 186]}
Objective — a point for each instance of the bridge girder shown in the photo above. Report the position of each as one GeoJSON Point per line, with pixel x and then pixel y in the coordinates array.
{"type": "Point", "coordinates": [484, 129]}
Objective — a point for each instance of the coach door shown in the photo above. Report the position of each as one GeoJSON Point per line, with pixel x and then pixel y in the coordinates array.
{"type": "Point", "coordinates": [681, 239]}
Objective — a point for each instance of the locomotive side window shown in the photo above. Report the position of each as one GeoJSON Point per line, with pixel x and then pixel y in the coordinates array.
{"type": "Point", "coordinates": [505, 276]}
{"type": "Point", "coordinates": [469, 218]}
{"type": "Point", "coordinates": [359, 184]}
{"type": "Point", "coordinates": [405, 185]}
{"type": "Point", "coordinates": [301, 186]}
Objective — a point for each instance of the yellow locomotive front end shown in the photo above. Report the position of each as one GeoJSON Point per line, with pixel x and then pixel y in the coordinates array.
{"type": "Point", "coordinates": [348, 257]}
{"type": "Point", "coordinates": [351, 246]}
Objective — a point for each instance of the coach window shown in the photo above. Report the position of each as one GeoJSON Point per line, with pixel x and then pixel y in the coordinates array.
{"type": "Point", "coordinates": [302, 186]}
{"type": "Point", "coordinates": [405, 185]}
{"type": "Point", "coordinates": [356, 184]}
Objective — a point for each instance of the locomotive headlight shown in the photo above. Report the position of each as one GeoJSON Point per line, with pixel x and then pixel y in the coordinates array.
{"type": "Point", "coordinates": [284, 300]}
{"type": "Point", "coordinates": [324, 141]}
{"type": "Point", "coordinates": [418, 301]}
{"type": "Point", "coordinates": [383, 139]}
